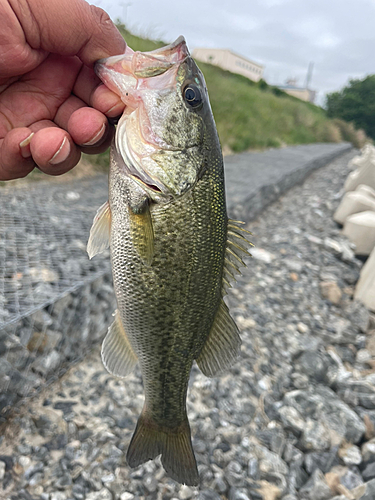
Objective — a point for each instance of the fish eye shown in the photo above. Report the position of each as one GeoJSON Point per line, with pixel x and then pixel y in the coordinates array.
{"type": "Point", "coordinates": [192, 95]}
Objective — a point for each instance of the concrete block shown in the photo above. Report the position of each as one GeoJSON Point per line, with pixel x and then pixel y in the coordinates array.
{"type": "Point", "coordinates": [367, 149]}
{"type": "Point", "coordinates": [363, 175]}
{"type": "Point", "coordinates": [362, 188]}
{"type": "Point", "coordinates": [367, 152]}
{"type": "Point", "coordinates": [365, 289]}
{"type": "Point", "coordinates": [360, 229]}
{"type": "Point", "coordinates": [352, 203]}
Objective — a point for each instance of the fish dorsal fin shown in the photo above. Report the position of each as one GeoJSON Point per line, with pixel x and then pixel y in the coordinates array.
{"type": "Point", "coordinates": [223, 342]}
{"type": "Point", "coordinates": [222, 345]}
{"type": "Point", "coordinates": [142, 233]}
{"type": "Point", "coordinates": [117, 354]}
{"type": "Point", "coordinates": [100, 231]}
{"type": "Point", "coordinates": [236, 250]}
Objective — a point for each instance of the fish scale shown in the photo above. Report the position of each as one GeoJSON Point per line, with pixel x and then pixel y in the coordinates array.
{"type": "Point", "coordinates": [174, 251]}
{"type": "Point", "coordinates": [172, 301]}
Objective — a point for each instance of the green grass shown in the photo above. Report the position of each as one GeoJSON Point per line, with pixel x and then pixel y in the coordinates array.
{"type": "Point", "coordinates": [249, 117]}
{"type": "Point", "coordinates": [252, 115]}
{"type": "Point", "coordinates": [135, 42]}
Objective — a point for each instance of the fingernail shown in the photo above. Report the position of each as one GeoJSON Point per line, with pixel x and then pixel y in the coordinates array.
{"type": "Point", "coordinates": [96, 137]}
{"type": "Point", "coordinates": [116, 109]}
{"type": "Point", "coordinates": [25, 146]}
{"type": "Point", "coordinates": [62, 153]}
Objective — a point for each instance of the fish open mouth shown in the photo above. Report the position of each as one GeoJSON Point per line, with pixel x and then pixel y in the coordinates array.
{"type": "Point", "coordinates": [128, 73]}
{"type": "Point", "coordinates": [135, 76]}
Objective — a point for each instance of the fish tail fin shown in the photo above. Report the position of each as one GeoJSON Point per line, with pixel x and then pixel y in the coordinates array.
{"type": "Point", "coordinates": [173, 444]}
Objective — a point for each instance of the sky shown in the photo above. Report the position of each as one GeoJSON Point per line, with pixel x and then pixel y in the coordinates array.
{"type": "Point", "coordinates": [337, 36]}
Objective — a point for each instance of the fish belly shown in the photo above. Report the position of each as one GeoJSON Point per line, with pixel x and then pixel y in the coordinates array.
{"type": "Point", "coordinates": [167, 308]}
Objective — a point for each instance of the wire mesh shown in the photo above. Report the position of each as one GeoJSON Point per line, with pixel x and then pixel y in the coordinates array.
{"type": "Point", "coordinates": [54, 302]}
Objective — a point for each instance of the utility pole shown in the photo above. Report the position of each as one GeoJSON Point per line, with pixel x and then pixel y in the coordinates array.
{"type": "Point", "coordinates": [125, 6]}
{"type": "Point", "coordinates": [309, 75]}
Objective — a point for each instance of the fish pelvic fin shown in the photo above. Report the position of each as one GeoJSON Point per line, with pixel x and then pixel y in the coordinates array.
{"type": "Point", "coordinates": [142, 233]}
{"type": "Point", "coordinates": [117, 354]}
{"type": "Point", "coordinates": [222, 346]}
{"type": "Point", "coordinates": [100, 231]}
{"type": "Point", "coordinates": [173, 444]}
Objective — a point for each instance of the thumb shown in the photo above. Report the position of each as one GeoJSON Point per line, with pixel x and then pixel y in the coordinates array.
{"type": "Point", "coordinates": [71, 28]}
{"type": "Point", "coordinates": [105, 40]}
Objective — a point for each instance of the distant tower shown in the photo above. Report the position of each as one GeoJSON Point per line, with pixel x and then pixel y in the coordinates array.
{"type": "Point", "coordinates": [309, 75]}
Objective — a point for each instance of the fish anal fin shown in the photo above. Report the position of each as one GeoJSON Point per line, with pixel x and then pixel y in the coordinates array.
{"type": "Point", "coordinates": [142, 233]}
{"type": "Point", "coordinates": [100, 231]}
{"type": "Point", "coordinates": [117, 354]}
{"type": "Point", "coordinates": [173, 444]}
{"type": "Point", "coordinates": [222, 346]}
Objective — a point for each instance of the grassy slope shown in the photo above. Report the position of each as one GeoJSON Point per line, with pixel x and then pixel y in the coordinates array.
{"type": "Point", "coordinates": [249, 117]}
{"type": "Point", "coordinates": [137, 42]}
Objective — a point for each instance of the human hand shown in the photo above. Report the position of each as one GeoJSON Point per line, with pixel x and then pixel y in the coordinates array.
{"type": "Point", "coordinates": [52, 105]}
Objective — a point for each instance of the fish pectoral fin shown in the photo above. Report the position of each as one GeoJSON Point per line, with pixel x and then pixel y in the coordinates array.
{"type": "Point", "coordinates": [100, 231]}
{"type": "Point", "coordinates": [117, 354]}
{"type": "Point", "coordinates": [222, 345]}
{"type": "Point", "coordinates": [236, 249]}
{"type": "Point", "coordinates": [173, 444]}
{"type": "Point", "coordinates": [142, 232]}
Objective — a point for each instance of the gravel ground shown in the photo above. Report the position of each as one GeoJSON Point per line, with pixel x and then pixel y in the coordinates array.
{"type": "Point", "coordinates": [293, 419]}
{"type": "Point", "coordinates": [55, 304]}
{"type": "Point", "coordinates": [54, 301]}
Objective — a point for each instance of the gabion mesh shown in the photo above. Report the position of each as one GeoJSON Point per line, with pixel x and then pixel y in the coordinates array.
{"type": "Point", "coordinates": [54, 302]}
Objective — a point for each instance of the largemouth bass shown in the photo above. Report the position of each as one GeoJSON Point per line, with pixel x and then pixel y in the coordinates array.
{"type": "Point", "coordinates": [174, 251]}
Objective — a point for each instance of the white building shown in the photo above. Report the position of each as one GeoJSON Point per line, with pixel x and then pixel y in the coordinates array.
{"type": "Point", "coordinates": [230, 61]}
{"type": "Point", "coordinates": [303, 93]}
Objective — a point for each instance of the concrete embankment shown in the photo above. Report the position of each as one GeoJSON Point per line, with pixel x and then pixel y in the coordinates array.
{"type": "Point", "coordinates": [254, 180]}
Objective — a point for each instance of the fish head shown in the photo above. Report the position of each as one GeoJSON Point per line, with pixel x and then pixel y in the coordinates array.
{"type": "Point", "coordinates": [164, 134]}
